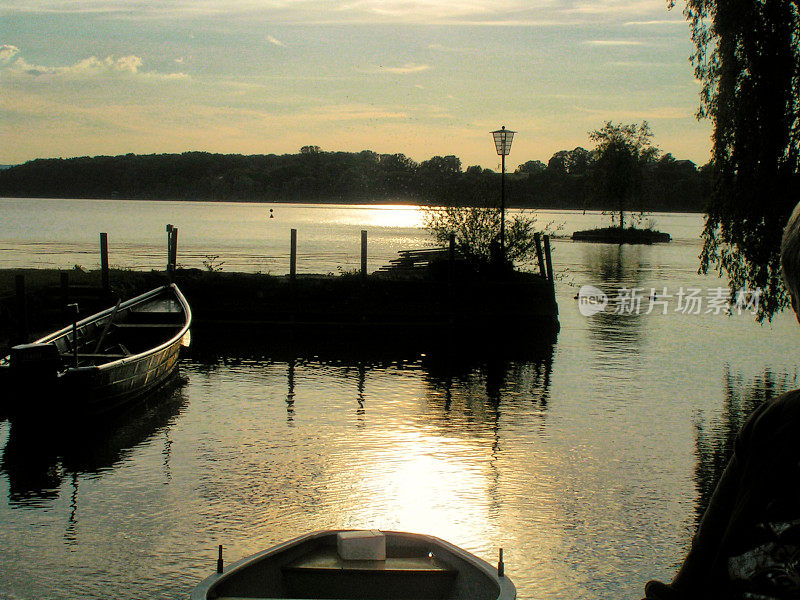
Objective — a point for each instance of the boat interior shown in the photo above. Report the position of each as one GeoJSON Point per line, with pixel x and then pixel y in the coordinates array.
{"type": "Point", "coordinates": [318, 571]}
{"type": "Point", "coordinates": [120, 333]}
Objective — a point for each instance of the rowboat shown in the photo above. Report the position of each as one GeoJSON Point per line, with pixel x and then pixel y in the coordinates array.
{"type": "Point", "coordinates": [101, 362]}
{"type": "Point", "coordinates": [350, 564]}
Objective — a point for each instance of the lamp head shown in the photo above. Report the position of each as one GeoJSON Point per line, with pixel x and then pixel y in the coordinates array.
{"type": "Point", "coordinates": [502, 140]}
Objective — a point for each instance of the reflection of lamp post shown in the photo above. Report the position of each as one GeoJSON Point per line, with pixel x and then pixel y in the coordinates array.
{"type": "Point", "coordinates": [502, 140]}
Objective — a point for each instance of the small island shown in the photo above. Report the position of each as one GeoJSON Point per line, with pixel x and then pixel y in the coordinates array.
{"type": "Point", "coordinates": [620, 235]}
{"type": "Point", "coordinates": [623, 153]}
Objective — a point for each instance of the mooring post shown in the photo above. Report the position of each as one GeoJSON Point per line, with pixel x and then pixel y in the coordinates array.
{"type": "Point", "coordinates": [539, 255]}
{"type": "Point", "coordinates": [75, 313]}
{"type": "Point", "coordinates": [548, 260]}
{"type": "Point", "coordinates": [174, 248]}
{"type": "Point", "coordinates": [451, 256]}
{"type": "Point", "coordinates": [451, 269]}
{"type": "Point", "coordinates": [64, 291]}
{"type": "Point", "coordinates": [293, 255]}
{"type": "Point", "coordinates": [22, 309]}
{"type": "Point", "coordinates": [363, 253]}
{"type": "Point", "coordinates": [169, 249]}
{"type": "Point", "coordinates": [104, 261]}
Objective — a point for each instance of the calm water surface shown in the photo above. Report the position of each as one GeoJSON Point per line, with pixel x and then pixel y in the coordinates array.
{"type": "Point", "coordinates": [587, 460]}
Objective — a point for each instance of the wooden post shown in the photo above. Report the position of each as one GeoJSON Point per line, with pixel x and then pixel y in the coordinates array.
{"type": "Point", "coordinates": [293, 255]}
{"type": "Point", "coordinates": [539, 255]}
{"type": "Point", "coordinates": [22, 310]}
{"type": "Point", "coordinates": [548, 260]}
{"type": "Point", "coordinates": [104, 261]}
{"type": "Point", "coordinates": [451, 257]}
{"type": "Point", "coordinates": [169, 249]}
{"type": "Point", "coordinates": [174, 248]}
{"type": "Point", "coordinates": [64, 291]}
{"type": "Point", "coordinates": [363, 253]}
{"type": "Point", "coordinates": [75, 313]}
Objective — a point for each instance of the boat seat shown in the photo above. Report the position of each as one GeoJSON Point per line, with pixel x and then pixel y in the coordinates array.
{"type": "Point", "coordinates": [93, 355]}
{"type": "Point", "coordinates": [407, 579]}
{"type": "Point", "coordinates": [147, 325]}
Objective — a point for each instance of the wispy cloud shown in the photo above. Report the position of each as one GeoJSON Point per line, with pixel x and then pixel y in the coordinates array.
{"type": "Point", "coordinates": [612, 43]}
{"type": "Point", "coordinates": [88, 68]}
{"type": "Point", "coordinates": [7, 52]}
{"type": "Point", "coordinates": [405, 69]}
{"type": "Point", "coordinates": [275, 41]}
{"type": "Point", "coordinates": [655, 23]}
{"type": "Point", "coordinates": [666, 113]}
{"type": "Point", "coordinates": [316, 12]}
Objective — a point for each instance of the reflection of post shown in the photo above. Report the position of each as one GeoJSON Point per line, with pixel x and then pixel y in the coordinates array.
{"type": "Point", "coordinates": [290, 393]}
{"type": "Point", "coordinates": [362, 378]}
{"type": "Point", "coordinates": [72, 521]}
{"type": "Point", "coordinates": [167, 453]}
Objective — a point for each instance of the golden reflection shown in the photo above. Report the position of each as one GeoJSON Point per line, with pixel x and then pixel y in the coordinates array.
{"type": "Point", "coordinates": [384, 215]}
{"type": "Point", "coordinates": [427, 483]}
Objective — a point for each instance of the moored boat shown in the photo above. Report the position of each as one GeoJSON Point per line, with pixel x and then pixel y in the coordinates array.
{"type": "Point", "coordinates": [357, 565]}
{"type": "Point", "coordinates": [101, 362]}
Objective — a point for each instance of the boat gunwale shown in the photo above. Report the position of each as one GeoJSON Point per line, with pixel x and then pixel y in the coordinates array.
{"type": "Point", "coordinates": [187, 312]}
{"type": "Point", "coordinates": [506, 588]}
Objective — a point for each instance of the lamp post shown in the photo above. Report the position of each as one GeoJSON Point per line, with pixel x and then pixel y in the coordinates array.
{"type": "Point", "coordinates": [502, 141]}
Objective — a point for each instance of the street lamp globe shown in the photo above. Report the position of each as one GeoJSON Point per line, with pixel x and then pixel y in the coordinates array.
{"type": "Point", "coordinates": [502, 141]}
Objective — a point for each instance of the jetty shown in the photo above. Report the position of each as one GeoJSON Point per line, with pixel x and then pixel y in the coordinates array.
{"type": "Point", "coordinates": [432, 292]}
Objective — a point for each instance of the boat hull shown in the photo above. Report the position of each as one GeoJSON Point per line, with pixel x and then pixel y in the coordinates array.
{"type": "Point", "coordinates": [44, 385]}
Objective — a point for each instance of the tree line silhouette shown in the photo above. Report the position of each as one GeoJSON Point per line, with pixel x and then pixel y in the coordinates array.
{"type": "Point", "coordinates": [313, 175]}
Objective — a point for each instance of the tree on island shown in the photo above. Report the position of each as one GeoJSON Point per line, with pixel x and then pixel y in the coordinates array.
{"type": "Point", "coordinates": [622, 154]}
{"type": "Point", "coordinates": [618, 167]}
{"type": "Point", "coordinates": [747, 57]}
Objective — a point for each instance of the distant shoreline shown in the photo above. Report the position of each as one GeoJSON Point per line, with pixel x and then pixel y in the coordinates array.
{"type": "Point", "coordinates": [354, 203]}
{"type": "Point", "coordinates": [364, 178]}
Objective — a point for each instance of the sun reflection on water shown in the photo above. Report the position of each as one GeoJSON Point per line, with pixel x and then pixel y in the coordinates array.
{"type": "Point", "coordinates": [434, 483]}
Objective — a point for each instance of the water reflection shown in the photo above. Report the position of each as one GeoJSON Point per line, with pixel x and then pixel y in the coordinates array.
{"type": "Point", "coordinates": [617, 331]}
{"type": "Point", "coordinates": [409, 438]}
{"type": "Point", "coordinates": [37, 459]}
{"type": "Point", "coordinates": [715, 437]}
{"type": "Point", "coordinates": [466, 381]}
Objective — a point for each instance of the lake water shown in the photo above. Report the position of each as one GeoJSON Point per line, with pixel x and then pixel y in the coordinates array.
{"type": "Point", "coordinates": [587, 460]}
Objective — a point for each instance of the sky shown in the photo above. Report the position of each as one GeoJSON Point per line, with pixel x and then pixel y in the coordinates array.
{"type": "Point", "coordinates": [417, 77]}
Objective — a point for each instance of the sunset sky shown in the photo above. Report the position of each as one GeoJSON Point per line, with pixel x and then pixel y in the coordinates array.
{"type": "Point", "coordinates": [418, 77]}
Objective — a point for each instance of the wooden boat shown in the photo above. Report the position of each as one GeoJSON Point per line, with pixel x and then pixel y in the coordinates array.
{"type": "Point", "coordinates": [101, 362]}
{"type": "Point", "coordinates": [359, 565]}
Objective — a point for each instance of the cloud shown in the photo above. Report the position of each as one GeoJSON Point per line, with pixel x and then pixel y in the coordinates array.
{"type": "Point", "coordinates": [310, 12]}
{"type": "Point", "coordinates": [7, 52]}
{"type": "Point", "coordinates": [655, 22]}
{"type": "Point", "coordinates": [612, 43]}
{"type": "Point", "coordinates": [276, 41]}
{"type": "Point", "coordinates": [405, 69]}
{"type": "Point", "coordinates": [88, 68]}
